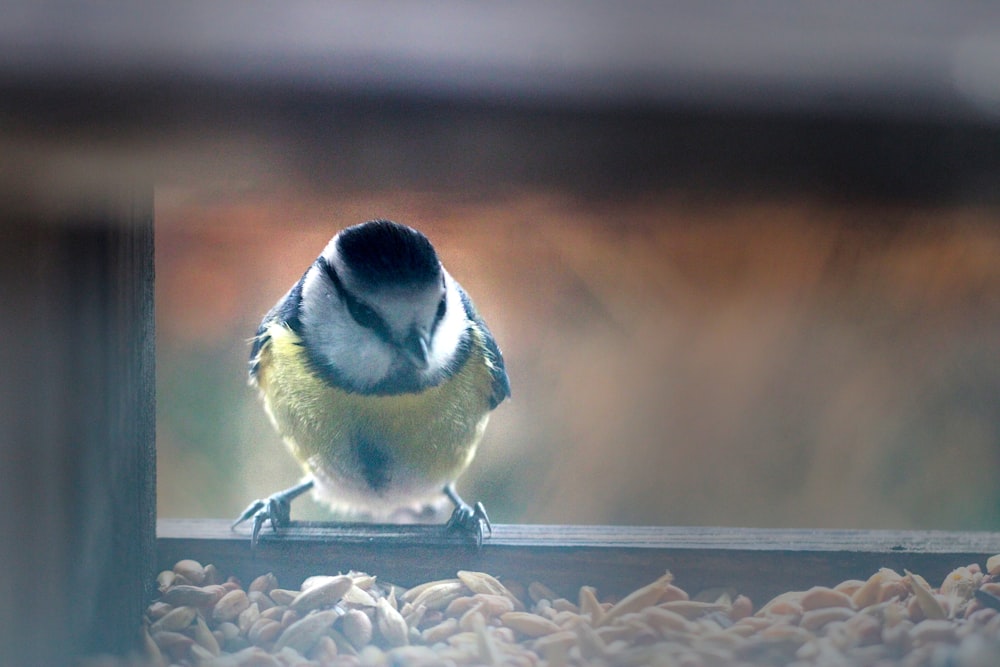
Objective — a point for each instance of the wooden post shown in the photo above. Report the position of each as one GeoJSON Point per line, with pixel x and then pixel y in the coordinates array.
{"type": "Point", "coordinates": [77, 457]}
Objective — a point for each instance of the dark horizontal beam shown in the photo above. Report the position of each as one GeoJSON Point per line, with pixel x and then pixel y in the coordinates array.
{"type": "Point", "coordinates": [897, 57]}
{"type": "Point", "coordinates": [326, 141]}
{"type": "Point", "coordinates": [616, 559]}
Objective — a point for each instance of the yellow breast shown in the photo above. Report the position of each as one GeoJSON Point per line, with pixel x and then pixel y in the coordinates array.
{"type": "Point", "coordinates": [376, 451]}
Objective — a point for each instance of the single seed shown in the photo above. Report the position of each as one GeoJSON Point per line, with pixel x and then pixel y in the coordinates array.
{"type": "Point", "coordinates": [925, 597]}
{"type": "Point", "coordinates": [204, 637]}
{"type": "Point", "coordinates": [265, 583]}
{"type": "Point", "coordinates": [175, 620]}
{"type": "Point", "coordinates": [230, 606]}
{"type": "Point", "coordinates": [191, 570]}
{"type": "Point", "coordinates": [391, 626]}
{"type": "Point", "coordinates": [642, 597]}
{"type": "Point", "coordinates": [283, 597]}
{"type": "Point", "coordinates": [322, 594]}
{"type": "Point", "coordinates": [440, 632]}
{"type": "Point", "coordinates": [188, 595]}
{"type": "Point", "coordinates": [357, 628]}
{"type": "Point", "coordinates": [303, 634]}
{"type": "Point", "coordinates": [528, 624]}
{"type": "Point", "coordinates": [264, 631]}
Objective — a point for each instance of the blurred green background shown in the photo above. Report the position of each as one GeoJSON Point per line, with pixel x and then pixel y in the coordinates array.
{"type": "Point", "coordinates": [675, 358]}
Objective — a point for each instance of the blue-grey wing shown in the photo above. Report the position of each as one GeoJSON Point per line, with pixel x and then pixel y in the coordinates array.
{"type": "Point", "coordinates": [285, 311]}
{"type": "Point", "coordinates": [498, 373]}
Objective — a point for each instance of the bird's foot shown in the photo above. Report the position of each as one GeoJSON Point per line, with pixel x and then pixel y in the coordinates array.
{"type": "Point", "coordinates": [276, 509]}
{"type": "Point", "coordinates": [472, 520]}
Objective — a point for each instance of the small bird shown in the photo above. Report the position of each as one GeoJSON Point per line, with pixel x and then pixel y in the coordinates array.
{"type": "Point", "coordinates": [380, 376]}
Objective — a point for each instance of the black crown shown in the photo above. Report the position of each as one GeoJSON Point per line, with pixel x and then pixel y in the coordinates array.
{"type": "Point", "coordinates": [382, 252]}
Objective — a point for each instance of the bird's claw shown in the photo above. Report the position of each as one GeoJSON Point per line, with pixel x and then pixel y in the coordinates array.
{"type": "Point", "coordinates": [276, 509]}
{"type": "Point", "coordinates": [472, 520]}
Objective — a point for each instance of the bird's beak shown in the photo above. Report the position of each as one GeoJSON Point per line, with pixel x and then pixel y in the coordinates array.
{"type": "Point", "coordinates": [415, 347]}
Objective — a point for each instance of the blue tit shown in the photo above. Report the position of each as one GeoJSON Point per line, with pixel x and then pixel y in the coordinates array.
{"type": "Point", "coordinates": [380, 376]}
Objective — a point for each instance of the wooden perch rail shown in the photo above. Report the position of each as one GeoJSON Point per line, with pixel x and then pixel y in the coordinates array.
{"type": "Point", "coordinates": [616, 559]}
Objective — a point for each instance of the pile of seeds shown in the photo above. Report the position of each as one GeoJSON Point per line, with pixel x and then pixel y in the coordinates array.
{"type": "Point", "coordinates": [352, 619]}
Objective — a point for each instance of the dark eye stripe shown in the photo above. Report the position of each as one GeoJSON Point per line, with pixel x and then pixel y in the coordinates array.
{"type": "Point", "coordinates": [442, 306]}
{"type": "Point", "coordinates": [361, 312]}
{"type": "Point", "coordinates": [442, 309]}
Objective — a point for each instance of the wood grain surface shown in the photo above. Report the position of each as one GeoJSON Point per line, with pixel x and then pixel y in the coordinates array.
{"type": "Point", "coordinates": [616, 559]}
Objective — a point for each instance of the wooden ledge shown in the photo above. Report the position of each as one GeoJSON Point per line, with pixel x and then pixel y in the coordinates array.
{"type": "Point", "coordinates": [616, 559]}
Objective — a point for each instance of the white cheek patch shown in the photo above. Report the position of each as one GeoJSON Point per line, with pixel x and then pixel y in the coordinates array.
{"type": "Point", "coordinates": [336, 339]}
{"type": "Point", "coordinates": [449, 330]}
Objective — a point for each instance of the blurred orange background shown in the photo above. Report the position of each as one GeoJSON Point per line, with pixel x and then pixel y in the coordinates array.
{"type": "Point", "coordinates": [675, 358]}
